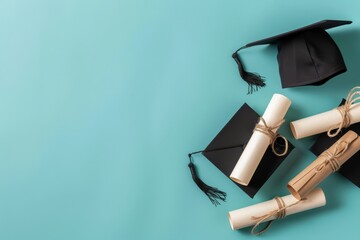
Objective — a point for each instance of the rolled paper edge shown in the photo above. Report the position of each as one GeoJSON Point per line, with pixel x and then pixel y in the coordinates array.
{"type": "Point", "coordinates": [322, 202]}
{"type": "Point", "coordinates": [293, 130]}
{"type": "Point", "coordinates": [283, 96]}
{"type": "Point", "coordinates": [294, 192]}
{"type": "Point", "coordinates": [237, 180]}
{"type": "Point", "coordinates": [231, 222]}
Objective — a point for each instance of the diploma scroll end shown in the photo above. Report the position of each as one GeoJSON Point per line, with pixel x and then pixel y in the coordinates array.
{"type": "Point", "coordinates": [293, 130]}
{"type": "Point", "coordinates": [231, 222]}
{"type": "Point", "coordinates": [294, 192]}
{"type": "Point", "coordinates": [239, 181]}
{"type": "Point", "coordinates": [283, 98]}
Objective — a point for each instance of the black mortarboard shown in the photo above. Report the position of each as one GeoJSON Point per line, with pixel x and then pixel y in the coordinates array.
{"type": "Point", "coordinates": [226, 148]}
{"type": "Point", "coordinates": [306, 56]}
{"type": "Point", "coordinates": [351, 169]}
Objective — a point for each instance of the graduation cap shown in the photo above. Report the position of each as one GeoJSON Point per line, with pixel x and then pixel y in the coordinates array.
{"type": "Point", "coordinates": [350, 169]}
{"type": "Point", "coordinates": [306, 56]}
{"type": "Point", "coordinates": [226, 148]}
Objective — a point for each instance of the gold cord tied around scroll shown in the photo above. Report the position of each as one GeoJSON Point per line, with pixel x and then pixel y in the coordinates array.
{"type": "Point", "coordinates": [330, 159]}
{"type": "Point", "coordinates": [353, 97]}
{"type": "Point", "coordinates": [278, 213]}
{"type": "Point", "coordinates": [268, 131]}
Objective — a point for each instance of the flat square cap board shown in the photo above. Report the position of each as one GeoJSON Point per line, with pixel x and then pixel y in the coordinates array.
{"type": "Point", "coordinates": [306, 56]}
{"type": "Point", "coordinates": [237, 132]}
{"type": "Point", "coordinates": [324, 24]}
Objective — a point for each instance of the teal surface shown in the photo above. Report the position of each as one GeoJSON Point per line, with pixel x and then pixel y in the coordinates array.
{"type": "Point", "coordinates": [102, 100]}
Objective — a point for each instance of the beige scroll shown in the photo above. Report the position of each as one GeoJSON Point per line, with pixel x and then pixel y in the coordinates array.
{"type": "Point", "coordinates": [273, 209]}
{"type": "Point", "coordinates": [331, 121]}
{"type": "Point", "coordinates": [328, 162]}
{"type": "Point", "coordinates": [262, 137]}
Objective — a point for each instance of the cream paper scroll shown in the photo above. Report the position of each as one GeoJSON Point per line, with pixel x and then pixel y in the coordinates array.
{"type": "Point", "coordinates": [328, 162]}
{"type": "Point", "coordinates": [259, 142]}
{"type": "Point", "coordinates": [249, 216]}
{"type": "Point", "coordinates": [323, 122]}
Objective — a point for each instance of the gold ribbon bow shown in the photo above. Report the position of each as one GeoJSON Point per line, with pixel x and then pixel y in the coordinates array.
{"type": "Point", "coordinates": [268, 131]}
{"type": "Point", "coordinates": [352, 97]}
{"type": "Point", "coordinates": [278, 213]}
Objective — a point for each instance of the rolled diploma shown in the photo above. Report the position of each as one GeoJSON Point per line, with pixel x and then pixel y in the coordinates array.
{"type": "Point", "coordinates": [259, 142]}
{"type": "Point", "coordinates": [307, 180]}
{"type": "Point", "coordinates": [322, 122]}
{"type": "Point", "coordinates": [246, 217]}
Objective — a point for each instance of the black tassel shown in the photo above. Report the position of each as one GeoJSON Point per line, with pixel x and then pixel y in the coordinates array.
{"type": "Point", "coordinates": [254, 80]}
{"type": "Point", "coordinates": [213, 193]}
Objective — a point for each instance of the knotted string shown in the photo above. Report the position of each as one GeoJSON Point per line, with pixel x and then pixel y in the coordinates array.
{"type": "Point", "coordinates": [331, 159]}
{"type": "Point", "coordinates": [353, 97]}
{"type": "Point", "coordinates": [278, 213]}
{"type": "Point", "coordinates": [268, 131]}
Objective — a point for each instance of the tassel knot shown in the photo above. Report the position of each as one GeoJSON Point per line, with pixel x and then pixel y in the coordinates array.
{"type": "Point", "coordinates": [254, 80]}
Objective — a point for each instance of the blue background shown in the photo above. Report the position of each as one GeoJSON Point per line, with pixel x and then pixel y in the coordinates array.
{"type": "Point", "coordinates": [102, 100]}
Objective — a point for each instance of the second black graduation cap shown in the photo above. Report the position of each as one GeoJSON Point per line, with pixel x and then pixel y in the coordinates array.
{"type": "Point", "coordinates": [306, 56]}
{"type": "Point", "coordinates": [350, 169]}
{"type": "Point", "coordinates": [226, 148]}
